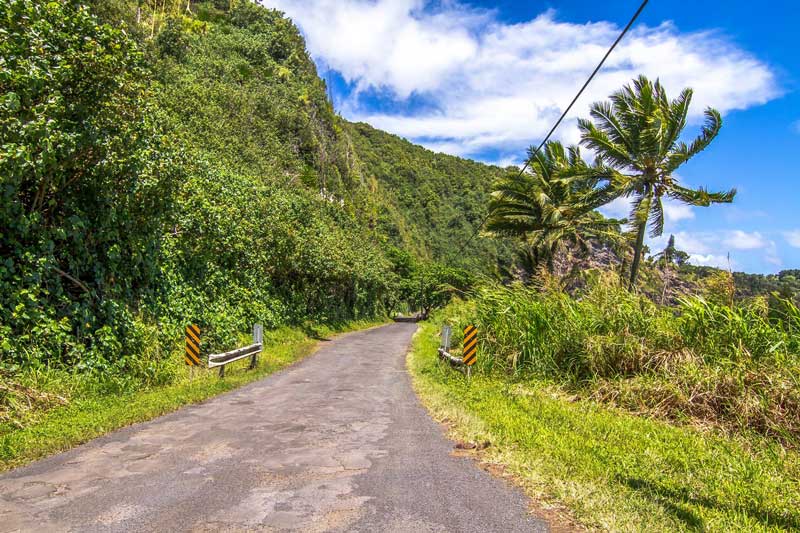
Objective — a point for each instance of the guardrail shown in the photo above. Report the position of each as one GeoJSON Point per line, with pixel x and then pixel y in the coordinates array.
{"type": "Point", "coordinates": [444, 347]}
{"type": "Point", "coordinates": [251, 351]}
{"type": "Point", "coordinates": [465, 362]}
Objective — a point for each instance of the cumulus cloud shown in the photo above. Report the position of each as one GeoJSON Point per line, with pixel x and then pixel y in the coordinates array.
{"type": "Point", "coordinates": [771, 256]}
{"type": "Point", "coordinates": [486, 84]}
{"type": "Point", "coordinates": [712, 260]}
{"type": "Point", "coordinates": [676, 211]}
{"type": "Point", "coordinates": [742, 240]}
{"type": "Point", "coordinates": [617, 208]}
{"type": "Point", "coordinates": [693, 243]}
{"type": "Point", "coordinates": [793, 238]}
{"type": "Point", "coordinates": [712, 248]}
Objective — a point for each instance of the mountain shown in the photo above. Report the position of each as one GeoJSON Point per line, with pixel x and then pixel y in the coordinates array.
{"type": "Point", "coordinates": [167, 163]}
{"type": "Point", "coordinates": [432, 202]}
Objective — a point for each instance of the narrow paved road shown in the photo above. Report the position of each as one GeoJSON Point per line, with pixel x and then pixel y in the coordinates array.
{"type": "Point", "coordinates": [338, 442]}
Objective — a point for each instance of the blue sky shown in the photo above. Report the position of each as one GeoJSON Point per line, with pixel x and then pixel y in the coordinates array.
{"type": "Point", "coordinates": [486, 79]}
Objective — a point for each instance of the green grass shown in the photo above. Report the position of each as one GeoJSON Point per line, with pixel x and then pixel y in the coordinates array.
{"type": "Point", "coordinates": [90, 413]}
{"type": "Point", "coordinates": [702, 363]}
{"type": "Point", "coordinates": [611, 470]}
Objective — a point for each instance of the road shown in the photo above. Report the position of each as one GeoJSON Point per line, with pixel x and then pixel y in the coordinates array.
{"type": "Point", "coordinates": [338, 442]}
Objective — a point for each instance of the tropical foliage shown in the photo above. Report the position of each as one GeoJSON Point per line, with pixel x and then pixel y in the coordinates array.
{"type": "Point", "coordinates": [173, 162]}
{"type": "Point", "coordinates": [552, 202]}
{"type": "Point", "coordinates": [88, 179]}
{"type": "Point", "coordinates": [638, 134]}
{"type": "Point", "coordinates": [727, 365]}
{"type": "Point", "coordinates": [429, 203]}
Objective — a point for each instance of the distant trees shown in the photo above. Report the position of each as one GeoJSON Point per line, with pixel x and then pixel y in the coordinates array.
{"type": "Point", "coordinates": [425, 285]}
{"type": "Point", "coordinates": [636, 136]}
{"type": "Point", "coordinates": [671, 255]}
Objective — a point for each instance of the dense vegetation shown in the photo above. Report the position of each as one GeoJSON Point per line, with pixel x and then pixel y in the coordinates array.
{"type": "Point", "coordinates": [681, 344]}
{"type": "Point", "coordinates": [604, 467]}
{"type": "Point", "coordinates": [170, 162]}
{"type": "Point", "coordinates": [731, 366]}
{"type": "Point", "coordinates": [431, 203]}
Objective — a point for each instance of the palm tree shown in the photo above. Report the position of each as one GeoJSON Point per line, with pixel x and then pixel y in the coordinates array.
{"type": "Point", "coordinates": [553, 202]}
{"type": "Point", "coordinates": [637, 134]}
{"type": "Point", "coordinates": [667, 255]}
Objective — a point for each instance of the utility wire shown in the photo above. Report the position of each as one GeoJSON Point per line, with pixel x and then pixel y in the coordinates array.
{"type": "Point", "coordinates": [564, 114]}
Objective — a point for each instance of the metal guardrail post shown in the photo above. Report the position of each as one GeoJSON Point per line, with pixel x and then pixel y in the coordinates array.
{"type": "Point", "coordinates": [446, 334]}
{"type": "Point", "coordinates": [258, 338]}
{"type": "Point", "coordinates": [468, 353]}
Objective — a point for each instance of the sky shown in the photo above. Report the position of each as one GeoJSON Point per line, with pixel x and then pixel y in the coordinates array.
{"type": "Point", "coordinates": [486, 79]}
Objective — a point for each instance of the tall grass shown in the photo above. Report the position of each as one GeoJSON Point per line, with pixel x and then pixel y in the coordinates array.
{"type": "Point", "coordinates": [734, 367]}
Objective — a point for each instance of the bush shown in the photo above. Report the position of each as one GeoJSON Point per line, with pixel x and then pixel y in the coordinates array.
{"type": "Point", "coordinates": [732, 366]}
{"type": "Point", "coordinates": [120, 225]}
{"type": "Point", "coordinates": [84, 200]}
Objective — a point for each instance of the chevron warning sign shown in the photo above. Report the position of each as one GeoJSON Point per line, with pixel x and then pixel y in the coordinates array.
{"type": "Point", "coordinates": [470, 350]}
{"type": "Point", "coordinates": [192, 355]}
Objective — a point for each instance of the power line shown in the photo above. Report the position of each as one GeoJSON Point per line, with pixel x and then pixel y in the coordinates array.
{"type": "Point", "coordinates": [564, 114]}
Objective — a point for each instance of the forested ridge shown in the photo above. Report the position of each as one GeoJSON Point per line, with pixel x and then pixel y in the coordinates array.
{"type": "Point", "coordinates": [432, 202]}
{"type": "Point", "coordinates": [166, 163]}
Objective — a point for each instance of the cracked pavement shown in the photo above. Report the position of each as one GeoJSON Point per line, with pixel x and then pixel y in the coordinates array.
{"type": "Point", "coordinates": [338, 442]}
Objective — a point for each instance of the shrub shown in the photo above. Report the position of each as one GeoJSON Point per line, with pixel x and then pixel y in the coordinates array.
{"type": "Point", "coordinates": [732, 366]}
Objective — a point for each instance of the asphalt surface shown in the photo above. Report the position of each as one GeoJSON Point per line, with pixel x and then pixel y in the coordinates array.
{"type": "Point", "coordinates": [338, 442]}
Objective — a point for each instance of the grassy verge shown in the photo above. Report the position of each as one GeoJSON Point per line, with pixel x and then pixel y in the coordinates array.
{"type": "Point", "coordinates": [612, 470]}
{"type": "Point", "coordinates": [89, 414]}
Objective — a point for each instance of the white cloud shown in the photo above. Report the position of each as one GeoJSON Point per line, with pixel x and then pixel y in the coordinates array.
{"type": "Point", "coordinates": [793, 238]}
{"type": "Point", "coordinates": [694, 243]}
{"type": "Point", "coordinates": [675, 211]}
{"type": "Point", "coordinates": [742, 240]}
{"type": "Point", "coordinates": [771, 256]}
{"type": "Point", "coordinates": [617, 208]}
{"type": "Point", "coordinates": [493, 85]}
{"type": "Point", "coordinates": [712, 248]}
{"type": "Point", "coordinates": [712, 260]}
{"type": "Point", "coordinates": [508, 161]}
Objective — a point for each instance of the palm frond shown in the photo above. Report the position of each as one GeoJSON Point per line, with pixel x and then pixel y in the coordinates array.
{"type": "Point", "coordinates": [656, 217]}
{"type": "Point", "coordinates": [682, 153]}
{"type": "Point", "coordinates": [700, 197]}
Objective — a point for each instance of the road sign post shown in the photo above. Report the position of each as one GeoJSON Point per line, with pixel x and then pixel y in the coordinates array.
{"type": "Point", "coordinates": [258, 338]}
{"type": "Point", "coordinates": [192, 348]}
{"type": "Point", "coordinates": [469, 353]}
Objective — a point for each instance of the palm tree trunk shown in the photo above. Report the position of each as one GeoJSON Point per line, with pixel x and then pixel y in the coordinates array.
{"type": "Point", "coordinates": [551, 256]}
{"type": "Point", "coordinates": [637, 254]}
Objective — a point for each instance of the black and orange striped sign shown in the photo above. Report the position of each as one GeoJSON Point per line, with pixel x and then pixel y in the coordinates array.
{"type": "Point", "coordinates": [192, 355]}
{"type": "Point", "coordinates": [470, 351]}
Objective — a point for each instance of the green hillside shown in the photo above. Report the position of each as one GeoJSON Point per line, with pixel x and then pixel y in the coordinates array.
{"type": "Point", "coordinates": [162, 166]}
{"type": "Point", "coordinates": [433, 202]}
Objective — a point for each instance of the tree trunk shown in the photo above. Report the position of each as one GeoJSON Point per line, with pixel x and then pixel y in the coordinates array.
{"type": "Point", "coordinates": [637, 254]}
